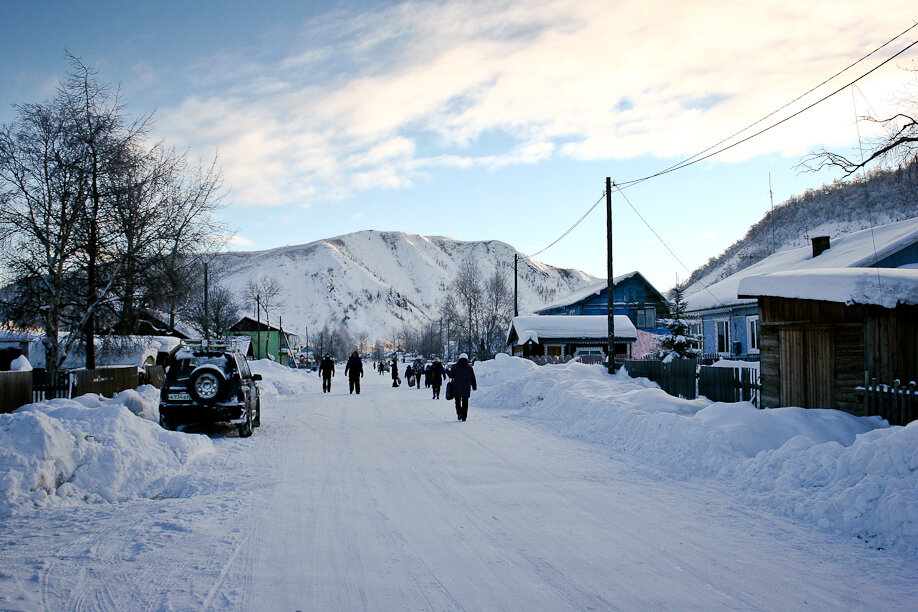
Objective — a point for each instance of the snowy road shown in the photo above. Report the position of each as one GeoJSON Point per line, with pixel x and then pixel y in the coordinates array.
{"type": "Point", "coordinates": [384, 501]}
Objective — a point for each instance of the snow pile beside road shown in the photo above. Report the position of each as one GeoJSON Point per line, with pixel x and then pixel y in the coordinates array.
{"type": "Point", "coordinates": [89, 449]}
{"type": "Point", "coordinates": [852, 475]}
{"type": "Point", "coordinates": [278, 380]}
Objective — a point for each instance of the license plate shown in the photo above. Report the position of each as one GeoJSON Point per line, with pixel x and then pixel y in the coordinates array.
{"type": "Point", "coordinates": [179, 397]}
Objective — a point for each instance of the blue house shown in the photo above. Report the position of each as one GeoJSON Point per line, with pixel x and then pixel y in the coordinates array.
{"type": "Point", "coordinates": [730, 325]}
{"type": "Point", "coordinates": [634, 297]}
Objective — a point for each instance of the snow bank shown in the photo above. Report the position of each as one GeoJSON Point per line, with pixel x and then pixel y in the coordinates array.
{"type": "Point", "coordinates": [89, 449]}
{"type": "Point", "coordinates": [847, 474]}
{"type": "Point", "coordinates": [20, 364]}
{"type": "Point", "coordinates": [278, 380]}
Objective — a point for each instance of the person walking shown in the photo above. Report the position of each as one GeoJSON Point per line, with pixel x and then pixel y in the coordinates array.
{"type": "Point", "coordinates": [418, 372]}
{"type": "Point", "coordinates": [395, 380]}
{"type": "Point", "coordinates": [409, 375]}
{"type": "Point", "coordinates": [326, 371]}
{"type": "Point", "coordinates": [463, 375]}
{"type": "Point", "coordinates": [437, 374]}
{"type": "Point", "coordinates": [354, 370]}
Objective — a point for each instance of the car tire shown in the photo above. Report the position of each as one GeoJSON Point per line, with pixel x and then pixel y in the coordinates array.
{"type": "Point", "coordinates": [206, 385]}
{"type": "Point", "coordinates": [245, 428]}
{"type": "Point", "coordinates": [165, 423]}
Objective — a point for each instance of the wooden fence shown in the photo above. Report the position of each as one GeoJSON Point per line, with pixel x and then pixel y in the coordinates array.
{"type": "Point", "coordinates": [104, 381]}
{"type": "Point", "coordinates": [897, 403]}
{"type": "Point", "coordinates": [15, 390]}
{"type": "Point", "coordinates": [730, 384]}
{"type": "Point", "coordinates": [676, 377]}
{"type": "Point", "coordinates": [21, 388]}
{"type": "Point", "coordinates": [683, 378]}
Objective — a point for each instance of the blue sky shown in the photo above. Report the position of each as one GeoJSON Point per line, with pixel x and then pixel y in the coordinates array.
{"type": "Point", "coordinates": [480, 120]}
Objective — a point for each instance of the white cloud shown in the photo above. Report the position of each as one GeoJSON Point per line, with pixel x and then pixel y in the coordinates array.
{"type": "Point", "coordinates": [239, 241]}
{"type": "Point", "coordinates": [590, 80]}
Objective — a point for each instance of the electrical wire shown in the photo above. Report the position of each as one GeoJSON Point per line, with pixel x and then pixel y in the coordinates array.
{"type": "Point", "coordinates": [698, 157]}
{"type": "Point", "coordinates": [570, 229]}
{"type": "Point", "coordinates": [798, 98]}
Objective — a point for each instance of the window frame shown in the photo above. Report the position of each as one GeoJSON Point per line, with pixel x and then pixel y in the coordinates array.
{"type": "Point", "coordinates": [753, 335]}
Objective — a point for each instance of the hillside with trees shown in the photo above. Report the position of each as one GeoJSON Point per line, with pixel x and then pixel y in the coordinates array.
{"type": "Point", "coordinates": [838, 208]}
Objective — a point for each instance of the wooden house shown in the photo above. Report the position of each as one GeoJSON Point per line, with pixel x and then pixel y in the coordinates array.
{"type": "Point", "coordinates": [821, 330]}
{"type": "Point", "coordinates": [563, 336]}
{"type": "Point", "coordinates": [730, 323]}
{"type": "Point", "coordinates": [633, 295]}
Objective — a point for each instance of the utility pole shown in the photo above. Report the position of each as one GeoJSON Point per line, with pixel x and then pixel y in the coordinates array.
{"type": "Point", "coordinates": [771, 196]}
{"type": "Point", "coordinates": [516, 292]}
{"type": "Point", "coordinates": [206, 307]}
{"type": "Point", "coordinates": [258, 325]}
{"type": "Point", "coordinates": [610, 283]}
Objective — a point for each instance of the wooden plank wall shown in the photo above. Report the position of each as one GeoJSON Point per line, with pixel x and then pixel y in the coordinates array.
{"type": "Point", "coordinates": [104, 381]}
{"type": "Point", "coordinates": [15, 390]}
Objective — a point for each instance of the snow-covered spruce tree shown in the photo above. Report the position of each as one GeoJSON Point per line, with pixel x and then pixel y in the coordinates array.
{"type": "Point", "coordinates": [679, 343]}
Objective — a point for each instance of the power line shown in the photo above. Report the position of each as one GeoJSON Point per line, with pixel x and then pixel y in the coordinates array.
{"type": "Point", "coordinates": [777, 110]}
{"type": "Point", "coordinates": [699, 157]}
{"type": "Point", "coordinates": [571, 228]}
{"type": "Point", "coordinates": [704, 154]}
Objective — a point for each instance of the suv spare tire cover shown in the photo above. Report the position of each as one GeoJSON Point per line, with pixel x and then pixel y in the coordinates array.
{"type": "Point", "coordinates": [206, 384]}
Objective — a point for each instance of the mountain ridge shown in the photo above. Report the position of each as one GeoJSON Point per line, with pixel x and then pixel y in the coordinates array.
{"type": "Point", "coordinates": [376, 282]}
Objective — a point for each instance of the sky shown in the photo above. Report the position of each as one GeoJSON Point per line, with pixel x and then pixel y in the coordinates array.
{"type": "Point", "coordinates": [484, 120]}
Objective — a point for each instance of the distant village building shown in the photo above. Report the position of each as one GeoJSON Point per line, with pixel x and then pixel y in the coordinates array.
{"type": "Point", "coordinates": [268, 342]}
{"type": "Point", "coordinates": [822, 330]}
{"type": "Point", "coordinates": [634, 297]}
{"type": "Point", "coordinates": [562, 336]}
{"type": "Point", "coordinates": [730, 324]}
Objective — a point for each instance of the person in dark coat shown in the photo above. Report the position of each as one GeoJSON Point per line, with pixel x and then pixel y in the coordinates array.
{"type": "Point", "coordinates": [326, 371]}
{"type": "Point", "coordinates": [437, 374]}
{"type": "Point", "coordinates": [464, 383]}
{"type": "Point", "coordinates": [409, 374]}
{"type": "Point", "coordinates": [418, 372]}
{"type": "Point", "coordinates": [354, 370]}
{"type": "Point", "coordinates": [395, 372]}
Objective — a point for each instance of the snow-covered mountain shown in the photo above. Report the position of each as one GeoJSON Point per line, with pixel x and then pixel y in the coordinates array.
{"type": "Point", "coordinates": [376, 282]}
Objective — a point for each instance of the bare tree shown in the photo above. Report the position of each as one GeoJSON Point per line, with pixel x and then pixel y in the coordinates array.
{"type": "Point", "coordinates": [43, 194]}
{"type": "Point", "coordinates": [220, 313]}
{"type": "Point", "coordinates": [479, 311]}
{"type": "Point", "coordinates": [898, 147]}
{"type": "Point", "coordinates": [264, 293]}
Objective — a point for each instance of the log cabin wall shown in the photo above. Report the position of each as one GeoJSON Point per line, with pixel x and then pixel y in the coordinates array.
{"type": "Point", "coordinates": [825, 348]}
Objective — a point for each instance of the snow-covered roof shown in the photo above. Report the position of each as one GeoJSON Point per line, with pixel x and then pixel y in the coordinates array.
{"type": "Point", "coordinates": [885, 287]}
{"type": "Point", "coordinates": [854, 250]}
{"type": "Point", "coordinates": [585, 292]}
{"type": "Point", "coordinates": [548, 327]}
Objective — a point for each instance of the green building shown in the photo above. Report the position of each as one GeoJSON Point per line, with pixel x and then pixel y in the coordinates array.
{"type": "Point", "coordinates": [267, 341]}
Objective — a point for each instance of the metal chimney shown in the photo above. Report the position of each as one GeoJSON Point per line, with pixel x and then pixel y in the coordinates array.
{"type": "Point", "coordinates": [820, 245]}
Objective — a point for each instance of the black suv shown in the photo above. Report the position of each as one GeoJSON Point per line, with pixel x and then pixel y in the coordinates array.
{"type": "Point", "coordinates": [210, 383]}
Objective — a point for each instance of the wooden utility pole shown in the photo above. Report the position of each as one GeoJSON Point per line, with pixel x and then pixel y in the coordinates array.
{"type": "Point", "coordinates": [610, 283]}
{"type": "Point", "coordinates": [206, 307]}
{"type": "Point", "coordinates": [516, 303]}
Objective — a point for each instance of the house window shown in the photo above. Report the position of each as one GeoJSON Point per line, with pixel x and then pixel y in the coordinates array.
{"type": "Point", "coordinates": [723, 335]}
{"type": "Point", "coordinates": [646, 317]}
{"type": "Point", "coordinates": [752, 334]}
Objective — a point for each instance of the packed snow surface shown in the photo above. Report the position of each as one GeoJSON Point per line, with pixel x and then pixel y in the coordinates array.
{"type": "Point", "coordinates": [567, 488]}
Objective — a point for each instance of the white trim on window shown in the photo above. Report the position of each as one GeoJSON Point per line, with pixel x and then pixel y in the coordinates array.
{"type": "Point", "coordinates": [753, 340]}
